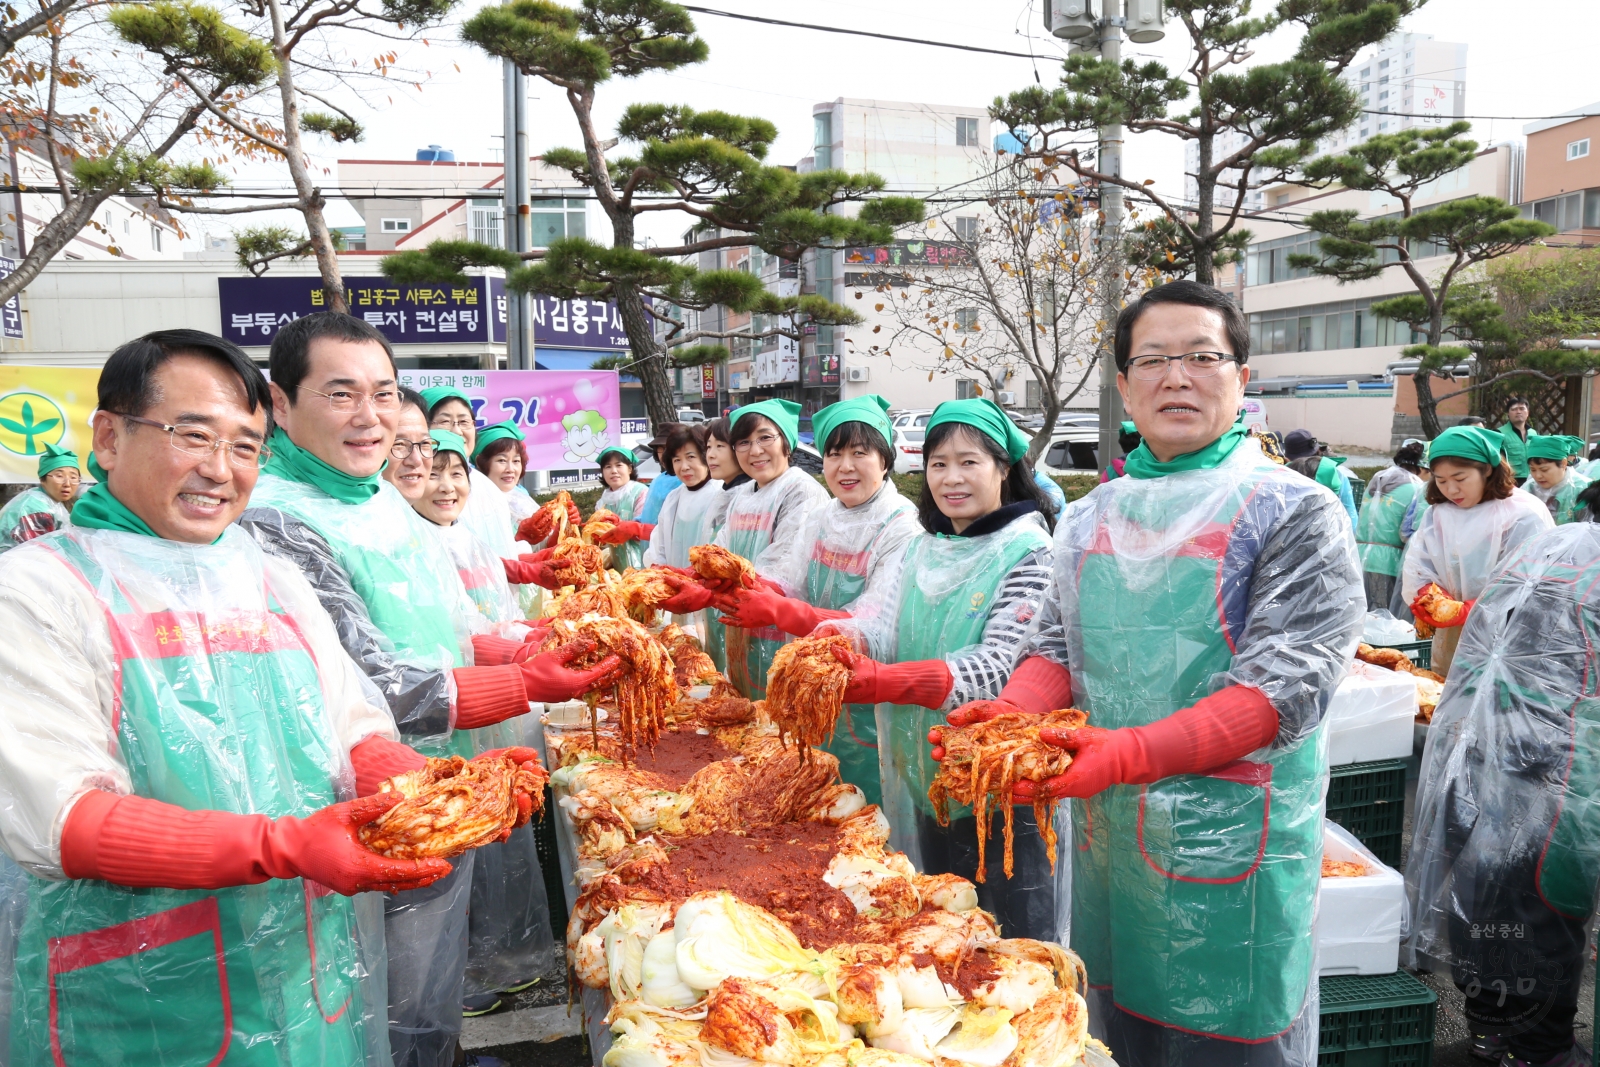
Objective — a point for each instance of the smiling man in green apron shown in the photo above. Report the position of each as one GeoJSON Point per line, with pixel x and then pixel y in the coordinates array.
{"type": "Point", "coordinates": [1204, 609]}
{"type": "Point", "coordinates": [179, 750]}
{"type": "Point", "coordinates": [401, 612]}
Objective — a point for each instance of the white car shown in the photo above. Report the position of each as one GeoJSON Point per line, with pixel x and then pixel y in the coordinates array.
{"type": "Point", "coordinates": [691, 415]}
{"type": "Point", "coordinates": [1071, 452]}
{"type": "Point", "coordinates": [913, 419]}
{"type": "Point", "coordinates": [908, 450]}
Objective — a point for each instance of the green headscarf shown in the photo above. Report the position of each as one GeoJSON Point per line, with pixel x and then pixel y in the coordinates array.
{"type": "Point", "coordinates": [54, 458]}
{"type": "Point", "coordinates": [984, 415]}
{"type": "Point", "coordinates": [871, 409]}
{"type": "Point", "coordinates": [97, 509]}
{"type": "Point", "coordinates": [1554, 447]}
{"type": "Point", "coordinates": [498, 432]}
{"type": "Point", "coordinates": [432, 397]}
{"type": "Point", "coordinates": [620, 452]}
{"type": "Point", "coordinates": [1476, 443]}
{"type": "Point", "coordinates": [785, 415]}
{"type": "Point", "coordinates": [446, 441]}
{"type": "Point", "coordinates": [1129, 427]}
{"type": "Point", "coordinates": [1142, 463]}
{"type": "Point", "coordinates": [291, 461]}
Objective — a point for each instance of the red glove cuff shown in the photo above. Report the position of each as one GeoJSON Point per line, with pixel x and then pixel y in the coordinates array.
{"type": "Point", "coordinates": [1039, 686]}
{"type": "Point", "coordinates": [925, 682]}
{"type": "Point", "coordinates": [136, 841]}
{"type": "Point", "coordinates": [378, 758]}
{"type": "Point", "coordinates": [1214, 731]}
{"type": "Point", "coordinates": [796, 617]}
{"type": "Point", "coordinates": [487, 695]}
{"type": "Point", "coordinates": [491, 651]}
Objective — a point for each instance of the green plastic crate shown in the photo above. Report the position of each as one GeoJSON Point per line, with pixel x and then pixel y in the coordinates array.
{"type": "Point", "coordinates": [1381, 1020]}
{"type": "Point", "coordinates": [1368, 799]}
{"type": "Point", "coordinates": [1358, 489]}
{"type": "Point", "coordinates": [1421, 652]}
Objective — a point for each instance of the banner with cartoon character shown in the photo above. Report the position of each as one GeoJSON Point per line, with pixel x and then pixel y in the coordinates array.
{"type": "Point", "coordinates": [42, 406]}
{"type": "Point", "coordinates": [569, 416]}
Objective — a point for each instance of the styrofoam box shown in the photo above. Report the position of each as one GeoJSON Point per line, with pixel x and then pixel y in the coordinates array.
{"type": "Point", "coordinates": [1371, 715]}
{"type": "Point", "coordinates": [1358, 919]}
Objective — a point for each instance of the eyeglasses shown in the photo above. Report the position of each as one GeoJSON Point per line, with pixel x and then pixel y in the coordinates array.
{"type": "Point", "coordinates": [444, 422]}
{"type": "Point", "coordinates": [194, 440]}
{"type": "Point", "coordinates": [766, 441]}
{"type": "Point", "coordinates": [1195, 365]}
{"type": "Point", "coordinates": [350, 400]}
{"type": "Point", "coordinates": [402, 448]}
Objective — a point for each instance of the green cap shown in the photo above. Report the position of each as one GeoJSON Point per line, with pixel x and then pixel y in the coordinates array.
{"type": "Point", "coordinates": [871, 409]}
{"type": "Point", "coordinates": [1556, 447]}
{"type": "Point", "coordinates": [619, 452]}
{"type": "Point", "coordinates": [1476, 443]}
{"type": "Point", "coordinates": [983, 414]}
{"type": "Point", "coordinates": [440, 393]}
{"type": "Point", "coordinates": [54, 457]}
{"type": "Point", "coordinates": [445, 441]}
{"type": "Point", "coordinates": [785, 415]}
{"type": "Point", "coordinates": [498, 432]}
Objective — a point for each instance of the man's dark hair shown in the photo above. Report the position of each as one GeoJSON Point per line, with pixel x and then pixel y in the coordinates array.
{"type": "Point", "coordinates": [125, 381]}
{"type": "Point", "coordinates": [1181, 292]}
{"type": "Point", "coordinates": [1472, 420]}
{"type": "Point", "coordinates": [1512, 402]}
{"type": "Point", "coordinates": [291, 349]}
{"type": "Point", "coordinates": [410, 398]}
{"type": "Point", "coordinates": [857, 434]}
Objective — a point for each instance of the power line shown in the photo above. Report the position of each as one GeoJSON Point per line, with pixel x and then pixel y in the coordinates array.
{"type": "Point", "coordinates": [858, 33]}
{"type": "Point", "coordinates": [1480, 118]}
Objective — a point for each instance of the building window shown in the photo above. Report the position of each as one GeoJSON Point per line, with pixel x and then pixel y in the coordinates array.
{"type": "Point", "coordinates": [1383, 65]}
{"type": "Point", "coordinates": [822, 140]}
{"type": "Point", "coordinates": [395, 226]}
{"type": "Point", "coordinates": [486, 223]}
{"type": "Point", "coordinates": [1384, 95]}
{"type": "Point", "coordinates": [155, 237]}
{"type": "Point", "coordinates": [553, 219]}
{"type": "Point", "coordinates": [966, 227]}
{"type": "Point", "coordinates": [966, 318]}
{"type": "Point", "coordinates": [966, 131]}
{"type": "Point", "coordinates": [967, 390]}
{"type": "Point", "coordinates": [1578, 149]}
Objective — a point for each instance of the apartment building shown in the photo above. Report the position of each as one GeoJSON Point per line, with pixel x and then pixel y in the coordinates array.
{"type": "Point", "coordinates": [1561, 185]}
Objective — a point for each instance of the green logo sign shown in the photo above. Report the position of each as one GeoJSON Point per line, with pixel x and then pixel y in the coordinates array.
{"type": "Point", "coordinates": [29, 422]}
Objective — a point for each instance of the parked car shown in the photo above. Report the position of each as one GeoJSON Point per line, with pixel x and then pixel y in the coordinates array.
{"type": "Point", "coordinates": [1071, 451]}
{"type": "Point", "coordinates": [912, 419]}
{"type": "Point", "coordinates": [806, 458]}
{"type": "Point", "coordinates": [908, 450]}
{"type": "Point", "coordinates": [691, 415]}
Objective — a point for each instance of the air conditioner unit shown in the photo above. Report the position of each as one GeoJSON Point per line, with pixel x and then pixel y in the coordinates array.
{"type": "Point", "coordinates": [857, 374]}
{"type": "Point", "coordinates": [1008, 398]}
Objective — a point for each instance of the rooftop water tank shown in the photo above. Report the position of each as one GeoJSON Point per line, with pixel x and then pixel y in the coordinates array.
{"type": "Point", "coordinates": [434, 154]}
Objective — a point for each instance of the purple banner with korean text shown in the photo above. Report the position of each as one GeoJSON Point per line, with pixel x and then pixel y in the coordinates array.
{"type": "Point", "coordinates": [255, 309]}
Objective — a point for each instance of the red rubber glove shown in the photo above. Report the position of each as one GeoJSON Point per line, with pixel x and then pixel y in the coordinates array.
{"type": "Point", "coordinates": [1208, 735]}
{"type": "Point", "coordinates": [377, 759]}
{"type": "Point", "coordinates": [926, 682]}
{"type": "Point", "coordinates": [528, 759]}
{"type": "Point", "coordinates": [547, 678]}
{"type": "Point", "coordinates": [491, 651]}
{"type": "Point", "coordinates": [1436, 607]}
{"type": "Point", "coordinates": [623, 532]}
{"type": "Point", "coordinates": [136, 841]}
{"type": "Point", "coordinates": [1037, 686]}
{"type": "Point", "coordinates": [487, 695]}
{"type": "Point", "coordinates": [756, 609]}
{"type": "Point", "coordinates": [526, 570]}
{"type": "Point", "coordinates": [691, 596]}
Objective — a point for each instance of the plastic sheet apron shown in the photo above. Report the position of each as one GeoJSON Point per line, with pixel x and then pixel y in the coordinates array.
{"type": "Point", "coordinates": [931, 627]}
{"type": "Point", "coordinates": [28, 515]}
{"type": "Point", "coordinates": [1378, 542]}
{"type": "Point", "coordinates": [855, 739]}
{"type": "Point", "coordinates": [626, 502]}
{"type": "Point", "coordinates": [1192, 897]}
{"type": "Point", "coordinates": [219, 707]}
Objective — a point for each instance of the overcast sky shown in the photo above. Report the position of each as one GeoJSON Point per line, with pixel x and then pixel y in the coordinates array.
{"type": "Point", "coordinates": [1525, 60]}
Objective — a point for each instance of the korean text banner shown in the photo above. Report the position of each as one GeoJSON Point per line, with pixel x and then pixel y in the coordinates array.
{"type": "Point", "coordinates": [42, 406]}
{"type": "Point", "coordinates": [569, 416]}
{"type": "Point", "coordinates": [561, 323]}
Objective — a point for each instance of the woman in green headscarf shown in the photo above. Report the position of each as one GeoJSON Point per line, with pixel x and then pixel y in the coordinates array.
{"type": "Point", "coordinates": [488, 515]}
{"type": "Point", "coordinates": [502, 456]}
{"type": "Point", "coordinates": [43, 509]}
{"type": "Point", "coordinates": [624, 496]}
{"type": "Point", "coordinates": [1477, 519]}
{"type": "Point", "coordinates": [1552, 478]}
{"type": "Point", "coordinates": [947, 629]}
{"type": "Point", "coordinates": [850, 547]}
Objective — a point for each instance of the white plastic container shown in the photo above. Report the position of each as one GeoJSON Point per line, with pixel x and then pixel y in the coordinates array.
{"type": "Point", "coordinates": [1371, 715]}
{"type": "Point", "coordinates": [1358, 919]}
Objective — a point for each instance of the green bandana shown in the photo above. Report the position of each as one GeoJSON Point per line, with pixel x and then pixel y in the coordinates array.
{"type": "Point", "coordinates": [445, 441]}
{"type": "Point", "coordinates": [498, 432]}
{"type": "Point", "coordinates": [1475, 443]}
{"type": "Point", "coordinates": [870, 409]}
{"type": "Point", "coordinates": [440, 393]}
{"type": "Point", "coordinates": [785, 415]}
{"type": "Point", "coordinates": [983, 415]}
{"type": "Point", "coordinates": [1554, 447]}
{"type": "Point", "coordinates": [621, 453]}
{"type": "Point", "coordinates": [1142, 463]}
{"type": "Point", "coordinates": [54, 458]}
{"type": "Point", "coordinates": [1129, 427]}
{"type": "Point", "coordinates": [97, 509]}
{"type": "Point", "coordinates": [291, 461]}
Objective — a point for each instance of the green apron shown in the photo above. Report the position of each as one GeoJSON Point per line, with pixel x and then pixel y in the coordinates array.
{"type": "Point", "coordinates": [1192, 897]}
{"type": "Point", "coordinates": [1378, 540]}
{"type": "Point", "coordinates": [750, 652]}
{"type": "Point", "coordinates": [626, 502]}
{"type": "Point", "coordinates": [832, 583]}
{"type": "Point", "coordinates": [49, 515]}
{"type": "Point", "coordinates": [219, 706]}
{"type": "Point", "coordinates": [1563, 502]}
{"type": "Point", "coordinates": [947, 586]}
{"type": "Point", "coordinates": [409, 586]}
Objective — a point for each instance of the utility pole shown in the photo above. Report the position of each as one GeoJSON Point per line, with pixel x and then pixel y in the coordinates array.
{"type": "Point", "coordinates": [518, 215]}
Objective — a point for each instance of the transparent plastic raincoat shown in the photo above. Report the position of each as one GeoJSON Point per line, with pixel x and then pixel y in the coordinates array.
{"type": "Point", "coordinates": [1506, 852]}
{"type": "Point", "coordinates": [764, 525]}
{"type": "Point", "coordinates": [488, 514]}
{"type": "Point", "coordinates": [28, 515]}
{"type": "Point", "coordinates": [846, 554]}
{"type": "Point", "coordinates": [1193, 897]}
{"type": "Point", "coordinates": [628, 503]}
{"type": "Point", "coordinates": [1378, 540]}
{"type": "Point", "coordinates": [1459, 548]}
{"type": "Point", "coordinates": [691, 517]}
{"type": "Point", "coordinates": [1562, 501]}
{"type": "Point", "coordinates": [205, 676]}
{"type": "Point", "coordinates": [972, 602]}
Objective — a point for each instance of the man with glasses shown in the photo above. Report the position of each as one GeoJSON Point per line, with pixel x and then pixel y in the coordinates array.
{"type": "Point", "coordinates": [181, 749]}
{"type": "Point", "coordinates": [401, 613]}
{"type": "Point", "coordinates": [1204, 608]}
